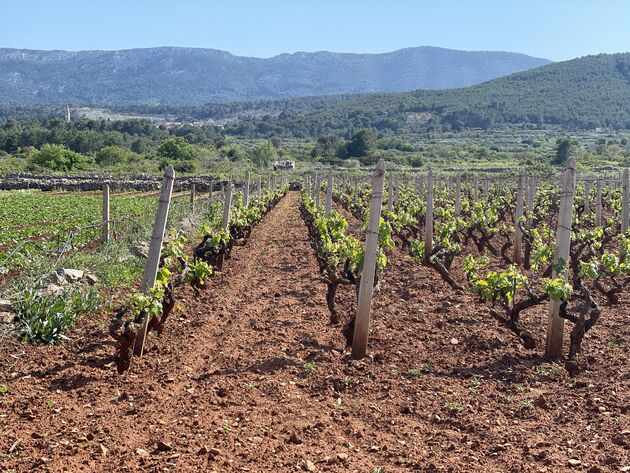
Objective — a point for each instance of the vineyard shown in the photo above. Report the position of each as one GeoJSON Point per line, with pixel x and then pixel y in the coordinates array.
{"type": "Point", "coordinates": [375, 322]}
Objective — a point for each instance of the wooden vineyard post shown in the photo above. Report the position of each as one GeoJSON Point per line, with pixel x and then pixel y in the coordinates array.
{"type": "Point", "coordinates": [329, 193]}
{"type": "Point", "coordinates": [518, 233]}
{"type": "Point", "coordinates": [259, 189]}
{"type": "Point", "coordinates": [486, 188]}
{"type": "Point", "coordinates": [226, 206]}
{"type": "Point", "coordinates": [475, 189]}
{"type": "Point", "coordinates": [210, 194]}
{"type": "Point", "coordinates": [366, 286]}
{"type": "Point", "coordinates": [192, 198]}
{"type": "Point", "coordinates": [587, 197]}
{"type": "Point", "coordinates": [598, 203]}
{"type": "Point", "coordinates": [318, 190]}
{"type": "Point", "coordinates": [390, 193]}
{"type": "Point", "coordinates": [246, 191]}
{"type": "Point", "coordinates": [625, 209]}
{"type": "Point", "coordinates": [531, 199]}
{"type": "Point", "coordinates": [106, 223]}
{"type": "Point", "coordinates": [555, 325]}
{"type": "Point", "coordinates": [428, 223]}
{"type": "Point", "coordinates": [155, 249]}
{"type": "Point", "coordinates": [458, 196]}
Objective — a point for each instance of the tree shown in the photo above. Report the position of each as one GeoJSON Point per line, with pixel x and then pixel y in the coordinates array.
{"type": "Point", "coordinates": [58, 158]}
{"type": "Point", "coordinates": [177, 149]}
{"type": "Point", "coordinates": [263, 154]}
{"type": "Point", "coordinates": [328, 146]}
{"type": "Point", "coordinates": [361, 144]}
{"type": "Point", "coordinates": [111, 156]}
{"type": "Point", "coordinates": [564, 148]}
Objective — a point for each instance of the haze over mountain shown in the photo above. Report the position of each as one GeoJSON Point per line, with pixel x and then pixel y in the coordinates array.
{"type": "Point", "coordinates": [189, 76]}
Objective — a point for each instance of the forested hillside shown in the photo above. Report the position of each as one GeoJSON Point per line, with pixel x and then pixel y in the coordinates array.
{"type": "Point", "coordinates": [583, 93]}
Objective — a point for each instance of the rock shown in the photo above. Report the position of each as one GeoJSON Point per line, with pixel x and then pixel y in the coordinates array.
{"type": "Point", "coordinates": [163, 446]}
{"type": "Point", "coordinates": [5, 305]}
{"type": "Point", "coordinates": [203, 451]}
{"type": "Point", "coordinates": [52, 290]}
{"type": "Point", "coordinates": [91, 278]}
{"type": "Point", "coordinates": [294, 439]}
{"type": "Point", "coordinates": [257, 440]}
{"type": "Point", "coordinates": [141, 250]}
{"type": "Point", "coordinates": [6, 317]}
{"type": "Point", "coordinates": [343, 457]}
{"type": "Point", "coordinates": [214, 452]}
{"type": "Point", "coordinates": [454, 341]}
{"type": "Point", "coordinates": [574, 462]}
{"type": "Point", "coordinates": [142, 453]}
{"type": "Point", "coordinates": [103, 449]}
{"type": "Point", "coordinates": [308, 465]}
{"type": "Point", "coordinates": [71, 275]}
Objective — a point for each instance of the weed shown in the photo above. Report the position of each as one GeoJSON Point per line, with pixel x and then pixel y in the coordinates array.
{"type": "Point", "coordinates": [541, 370]}
{"type": "Point", "coordinates": [528, 403]}
{"type": "Point", "coordinates": [4, 389]}
{"type": "Point", "coordinates": [473, 385]}
{"type": "Point", "coordinates": [309, 367]}
{"type": "Point", "coordinates": [45, 319]}
{"type": "Point", "coordinates": [454, 406]}
{"type": "Point", "coordinates": [423, 369]}
{"type": "Point", "coordinates": [252, 385]}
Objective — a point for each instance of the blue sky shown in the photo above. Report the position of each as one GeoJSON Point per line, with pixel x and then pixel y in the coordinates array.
{"type": "Point", "coordinates": [555, 29]}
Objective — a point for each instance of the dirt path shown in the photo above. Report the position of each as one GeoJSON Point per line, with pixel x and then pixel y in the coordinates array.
{"type": "Point", "coordinates": [249, 376]}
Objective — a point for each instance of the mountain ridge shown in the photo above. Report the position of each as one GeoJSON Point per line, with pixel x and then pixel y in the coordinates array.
{"type": "Point", "coordinates": [193, 76]}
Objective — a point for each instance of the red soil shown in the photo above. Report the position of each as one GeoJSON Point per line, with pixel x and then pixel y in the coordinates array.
{"type": "Point", "coordinates": [250, 376]}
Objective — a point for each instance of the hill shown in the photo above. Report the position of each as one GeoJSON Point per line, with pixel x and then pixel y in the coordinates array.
{"type": "Point", "coordinates": [582, 93]}
{"type": "Point", "coordinates": [189, 76]}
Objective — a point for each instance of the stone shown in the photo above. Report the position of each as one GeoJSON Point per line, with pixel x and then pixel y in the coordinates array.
{"type": "Point", "coordinates": [71, 275]}
{"type": "Point", "coordinates": [454, 341]}
{"type": "Point", "coordinates": [52, 290]}
{"type": "Point", "coordinates": [141, 250]}
{"type": "Point", "coordinates": [7, 317]}
{"type": "Point", "coordinates": [91, 278]}
{"type": "Point", "coordinates": [574, 462]}
{"type": "Point", "coordinates": [163, 446]}
{"type": "Point", "coordinates": [5, 305]}
{"type": "Point", "coordinates": [141, 452]}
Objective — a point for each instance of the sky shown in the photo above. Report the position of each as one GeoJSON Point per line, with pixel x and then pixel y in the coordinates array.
{"type": "Point", "coordinates": [553, 29]}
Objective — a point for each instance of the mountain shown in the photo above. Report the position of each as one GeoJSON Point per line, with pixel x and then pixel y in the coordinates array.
{"type": "Point", "coordinates": [584, 93]}
{"type": "Point", "coordinates": [189, 76]}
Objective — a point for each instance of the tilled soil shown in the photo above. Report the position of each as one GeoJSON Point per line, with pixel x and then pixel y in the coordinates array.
{"type": "Point", "coordinates": [250, 376]}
